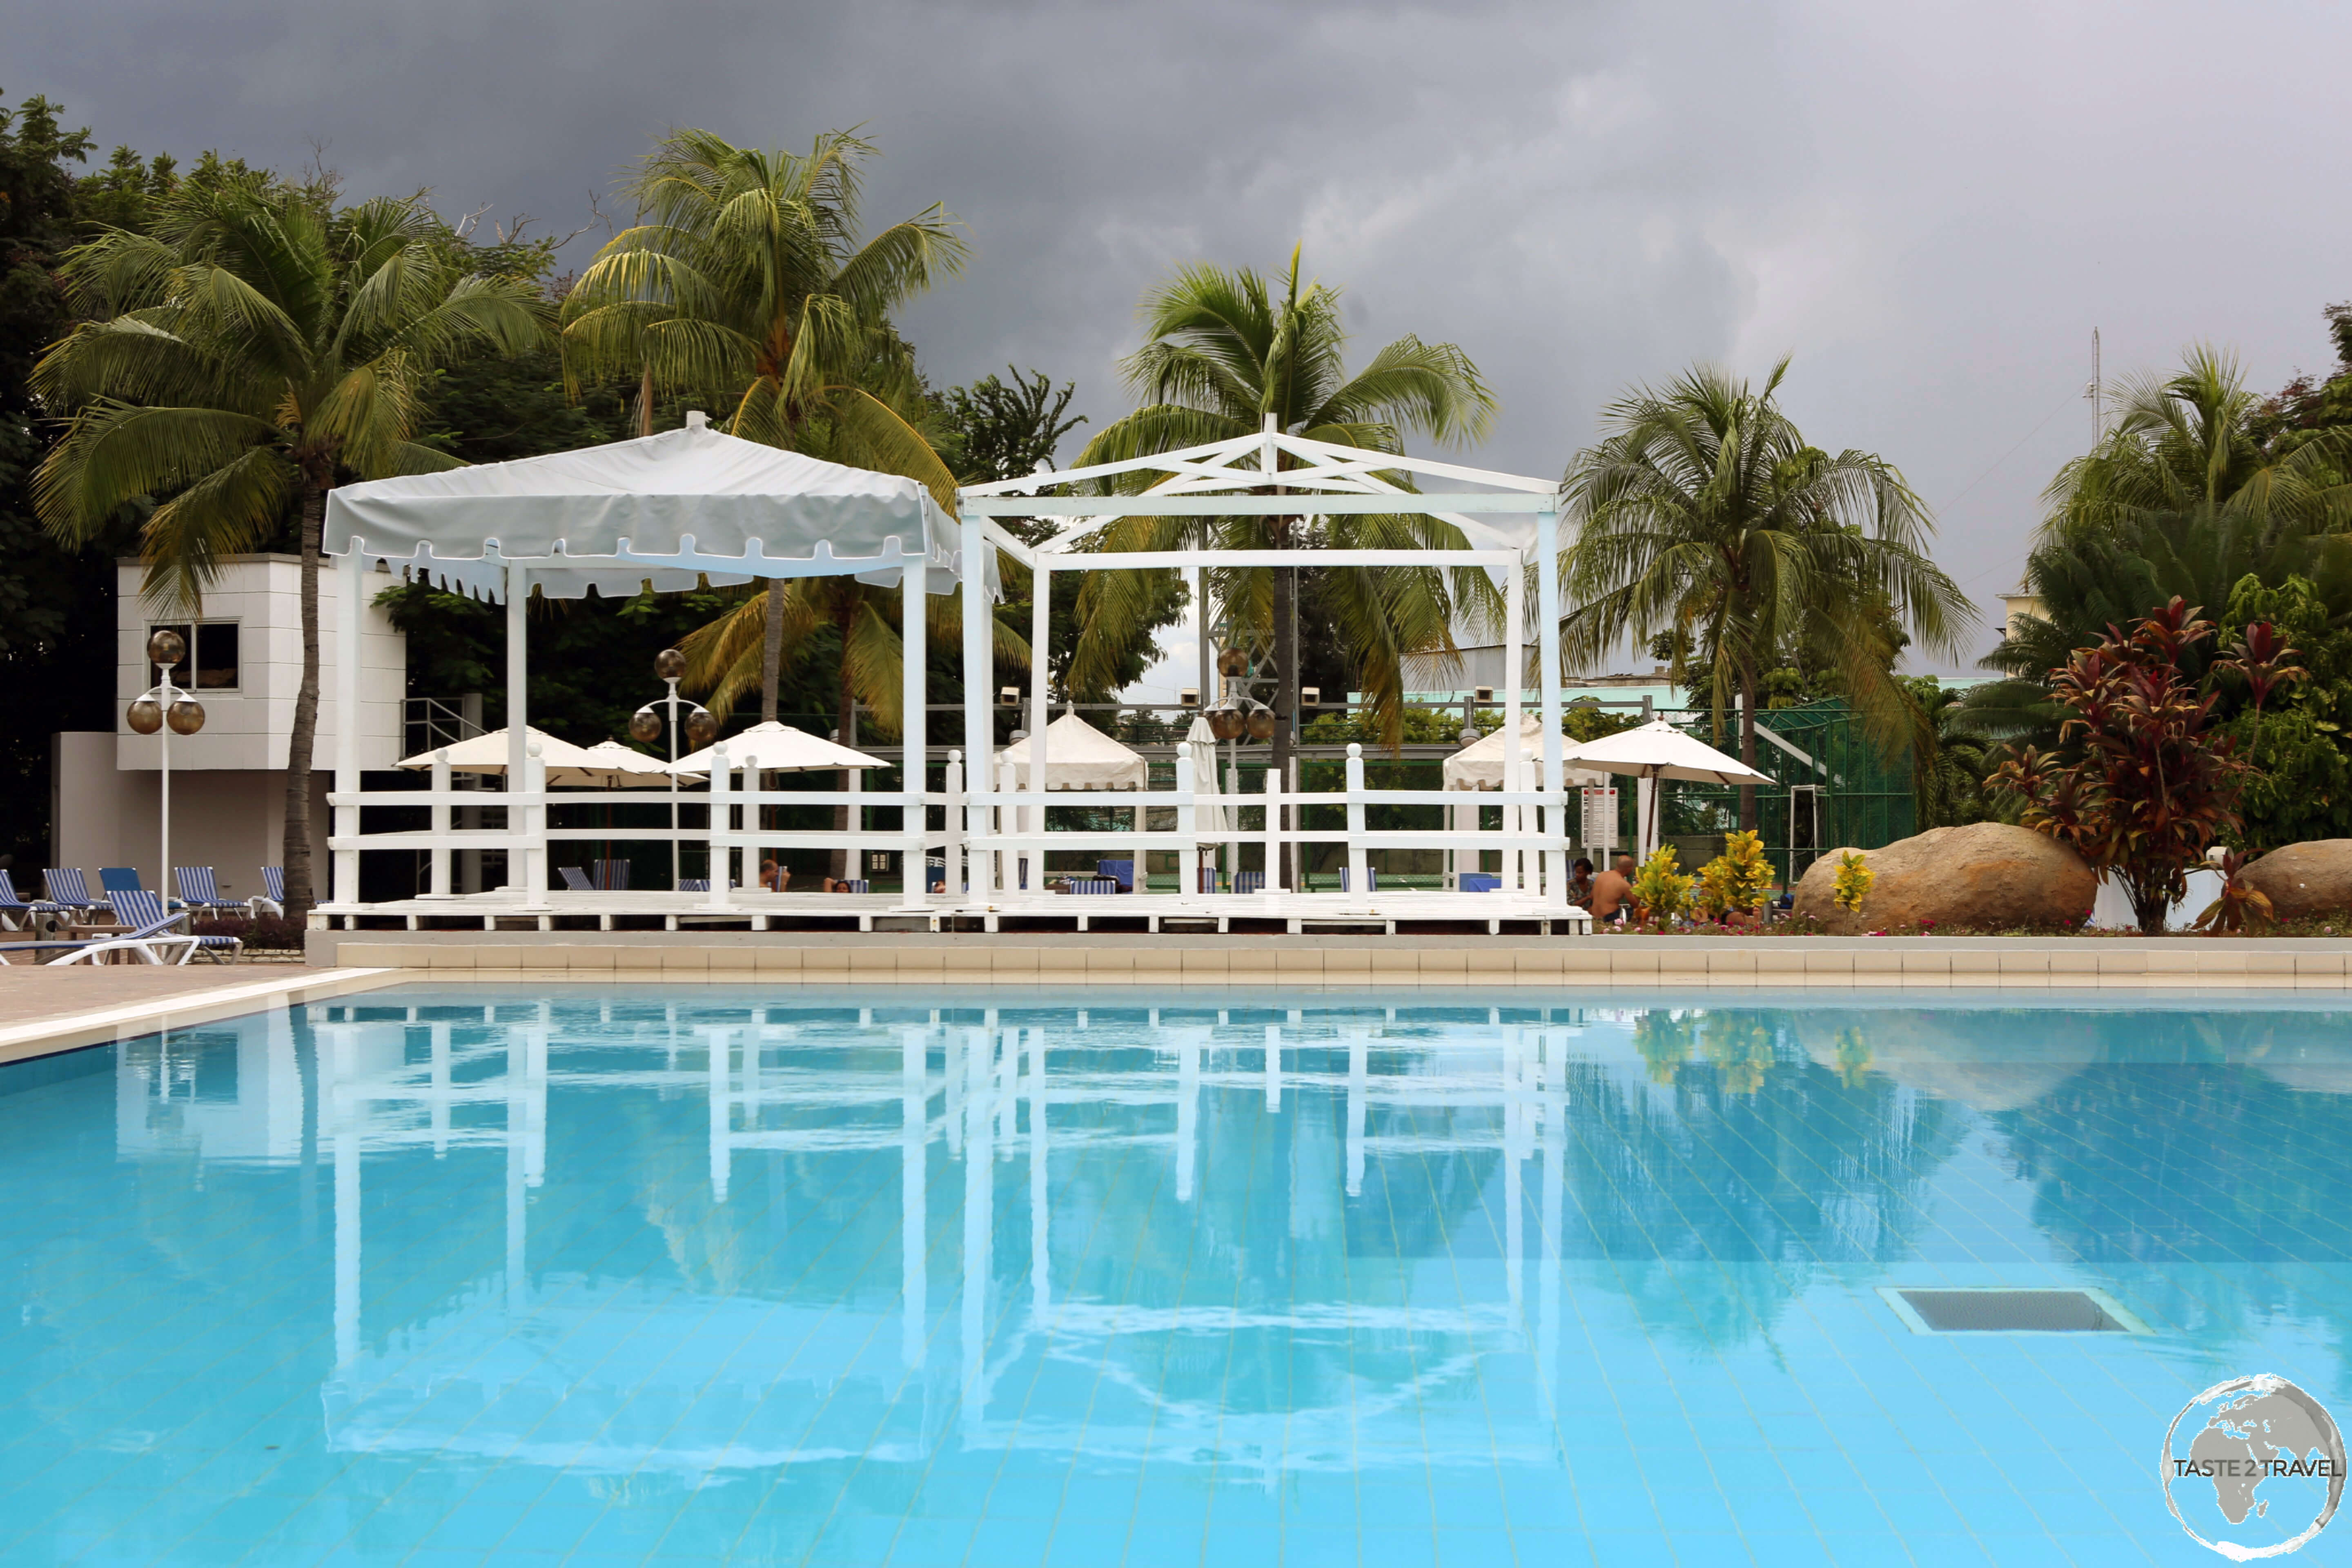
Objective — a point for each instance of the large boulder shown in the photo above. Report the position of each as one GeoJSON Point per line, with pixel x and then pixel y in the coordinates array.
{"type": "Point", "coordinates": [1987, 876]}
{"type": "Point", "coordinates": [2305, 880]}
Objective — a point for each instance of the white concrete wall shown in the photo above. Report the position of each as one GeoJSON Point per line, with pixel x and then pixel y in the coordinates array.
{"type": "Point", "coordinates": [234, 821]}
{"type": "Point", "coordinates": [247, 730]}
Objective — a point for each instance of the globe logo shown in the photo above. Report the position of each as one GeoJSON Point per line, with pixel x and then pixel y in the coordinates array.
{"type": "Point", "coordinates": [2254, 1467]}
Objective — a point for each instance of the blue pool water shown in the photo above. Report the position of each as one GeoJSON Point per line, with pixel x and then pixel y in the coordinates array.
{"type": "Point", "coordinates": [627, 1275]}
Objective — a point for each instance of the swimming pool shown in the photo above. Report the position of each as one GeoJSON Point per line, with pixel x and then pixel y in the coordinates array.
{"type": "Point", "coordinates": [606, 1276]}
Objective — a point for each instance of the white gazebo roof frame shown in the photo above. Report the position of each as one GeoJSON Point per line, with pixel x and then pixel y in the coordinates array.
{"type": "Point", "coordinates": [1228, 479]}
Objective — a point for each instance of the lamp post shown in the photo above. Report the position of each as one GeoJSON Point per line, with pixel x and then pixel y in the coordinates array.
{"type": "Point", "coordinates": [645, 726]}
{"type": "Point", "coordinates": [170, 710]}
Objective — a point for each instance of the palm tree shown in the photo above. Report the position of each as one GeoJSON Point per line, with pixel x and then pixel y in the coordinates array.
{"type": "Point", "coordinates": [1230, 353]}
{"type": "Point", "coordinates": [744, 280]}
{"type": "Point", "coordinates": [1704, 515]}
{"type": "Point", "coordinates": [239, 361]}
{"type": "Point", "coordinates": [2192, 440]}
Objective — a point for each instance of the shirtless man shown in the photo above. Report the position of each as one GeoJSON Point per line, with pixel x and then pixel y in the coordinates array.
{"type": "Point", "coordinates": [1612, 890]}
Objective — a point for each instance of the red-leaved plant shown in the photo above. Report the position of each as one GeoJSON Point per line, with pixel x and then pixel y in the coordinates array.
{"type": "Point", "coordinates": [2152, 788]}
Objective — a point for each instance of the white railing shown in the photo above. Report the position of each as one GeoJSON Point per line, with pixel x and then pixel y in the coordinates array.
{"type": "Point", "coordinates": [987, 833]}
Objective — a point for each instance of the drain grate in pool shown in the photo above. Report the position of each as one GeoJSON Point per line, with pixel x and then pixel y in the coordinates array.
{"type": "Point", "coordinates": [2004, 1311]}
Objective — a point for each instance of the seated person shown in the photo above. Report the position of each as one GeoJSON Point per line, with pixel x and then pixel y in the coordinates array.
{"type": "Point", "coordinates": [775, 878]}
{"type": "Point", "coordinates": [1580, 882]}
{"type": "Point", "coordinates": [1612, 892]}
{"type": "Point", "coordinates": [843, 885]}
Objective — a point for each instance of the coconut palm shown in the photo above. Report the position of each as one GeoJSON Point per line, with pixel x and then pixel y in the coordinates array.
{"type": "Point", "coordinates": [250, 351]}
{"type": "Point", "coordinates": [744, 280]}
{"type": "Point", "coordinates": [2190, 441]}
{"type": "Point", "coordinates": [1704, 515]}
{"type": "Point", "coordinates": [1233, 352]}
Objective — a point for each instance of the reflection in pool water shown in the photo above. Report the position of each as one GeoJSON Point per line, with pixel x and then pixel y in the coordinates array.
{"type": "Point", "coordinates": [706, 1275]}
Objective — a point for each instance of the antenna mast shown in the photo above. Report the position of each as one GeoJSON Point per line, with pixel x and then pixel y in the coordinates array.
{"type": "Point", "coordinates": [2095, 393]}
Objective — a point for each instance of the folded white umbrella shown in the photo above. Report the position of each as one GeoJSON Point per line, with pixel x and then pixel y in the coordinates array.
{"type": "Point", "coordinates": [1200, 743]}
{"type": "Point", "coordinates": [487, 754]}
{"type": "Point", "coordinates": [775, 748]}
{"type": "Point", "coordinates": [1658, 751]}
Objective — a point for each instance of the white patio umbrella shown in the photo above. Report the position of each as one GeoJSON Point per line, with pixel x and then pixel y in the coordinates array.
{"type": "Point", "coordinates": [487, 753]}
{"type": "Point", "coordinates": [609, 764]}
{"type": "Point", "coordinates": [1657, 750]}
{"type": "Point", "coordinates": [774, 748]}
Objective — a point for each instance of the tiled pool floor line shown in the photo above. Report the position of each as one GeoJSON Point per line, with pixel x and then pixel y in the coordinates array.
{"type": "Point", "coordinates": [567, 1273]}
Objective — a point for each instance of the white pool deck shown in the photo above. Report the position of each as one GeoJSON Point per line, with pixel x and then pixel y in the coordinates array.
{"type": "Point", "coordinates": [1379, 912]}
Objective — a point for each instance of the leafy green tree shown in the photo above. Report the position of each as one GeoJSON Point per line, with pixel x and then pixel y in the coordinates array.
{"type": "Point", "coordinates": [1233, 352]}
{"type": "Point", "coordinates": [1704, 513]}
{"type": "Point", "coordinates": [1947, 782]}
{"type": "Point", "coordinates": [255, 349]}
{"type": "Point", "coordinates": [56, 604]}
{"type": "Point", "coordinates": [2199, 440]}
{"type": "Point", "coordinates": [994, 429]}
{"type": "Point", "coordinates": [744, 280]}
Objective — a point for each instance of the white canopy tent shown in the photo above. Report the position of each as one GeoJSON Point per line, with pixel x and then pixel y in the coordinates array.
{"type": "Point", "coordinates": [1654, 751]}
{"type": "Point", "coordinates": [668, 510]}
{"type": "Point", "coordinates": [1079, 756]}
{"type": "Point", "coordinates": [1481, 763]}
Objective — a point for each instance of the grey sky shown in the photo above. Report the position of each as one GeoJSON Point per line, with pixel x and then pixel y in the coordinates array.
{"type": "Point", "coordinates": [1930, 205]}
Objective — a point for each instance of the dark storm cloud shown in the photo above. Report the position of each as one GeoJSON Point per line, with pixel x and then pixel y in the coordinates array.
{"type": "Point", "coordinates": [1931, 206]}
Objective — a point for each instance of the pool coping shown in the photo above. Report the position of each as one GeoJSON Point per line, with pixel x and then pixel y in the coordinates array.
{"type": "Point", "coordinates": [103, 1026]}
{"type": "Point", "coordinates": [1331, 961]}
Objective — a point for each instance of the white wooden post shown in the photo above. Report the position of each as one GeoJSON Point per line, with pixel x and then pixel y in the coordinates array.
{"type": "Point", "coordinates": [1514, 744]}
{"type": "Point", "coordinates": [979, 697]}
{"type": "Point", "coordinates": [856, 825]}
{"type": "Point", "coordinates": [952, 874]}
{"type": "Point", "coordinates": [534, 817]}
{"type": "Point", "coordinates": [722, 854]}
{"type": "Point", "coordinates": [1188, 823]}
{"type": "Point", "coordinates": [351, 574]}
{"type": "Point", "coordinates": [1273, 831]}
{"type": "Point", "coordinates": [1360, 881]}
{"type": "Point", "coordinates": [1039, 716]}
{"type": "Point", "coordinates": [440, 852]}
{"type": "Point", "coordinates": [1555, 772]}
{"type": "Point", "coordinates": [518, 590]}
{"type": "Point", "coordinates": [914, 731]}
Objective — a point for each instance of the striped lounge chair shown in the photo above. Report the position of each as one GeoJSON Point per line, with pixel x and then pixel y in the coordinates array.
{"type": "Point", "coordinates": [137, 907]}
{"type": "Point", "coordinates": [1249, 881]}
{"type": "Point", "coordinates": [149, 945]}
{"type": "Point", "coordinates": [1371, 879]}
{"type": "Point", "coordinates": [575, 879]}
{"type": "Point", "coordinates": [612, 876]}
{"type": "Point", "coordinates": [1093, 885]}
{"type": "Point", "coordinates": [69, 893]}
{"type": "Point", "coordinates": [199, 890]}
{"type": "Point", "coordinates": [1478, 882]}
{"type": "Point", "coordinates": [12, 907]}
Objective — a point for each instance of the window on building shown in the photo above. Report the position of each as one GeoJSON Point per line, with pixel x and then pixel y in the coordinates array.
{"type": "Point", "coordinates": [212, 665]}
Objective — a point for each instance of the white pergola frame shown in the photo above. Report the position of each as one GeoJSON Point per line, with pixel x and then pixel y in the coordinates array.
{"type": "Point", "coordinates": [1232, 478]}
{"type": "Point", "coordinates": [1228, 479]}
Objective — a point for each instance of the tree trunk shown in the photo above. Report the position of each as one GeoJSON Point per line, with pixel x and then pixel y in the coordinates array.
{"type": "Point", "coordinates": [1747, 746]}
{"type": "Point", "coordinates": [771, 651]}
{"type": "Point", "coordinates": [302, 740]}
{"type": "Point", "coordinates": [844, 719]}
{"type": "Point", "coordinates": [1286, 689]}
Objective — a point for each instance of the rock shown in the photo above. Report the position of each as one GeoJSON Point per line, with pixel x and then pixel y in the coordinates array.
{"type": "Point", "coordinates": [2305, 880]}
{"type": "Point", "coordinates": [1987, 876]}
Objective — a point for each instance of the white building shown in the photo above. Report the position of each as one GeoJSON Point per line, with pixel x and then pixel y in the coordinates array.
{"type": "Point", "coordinates": [228, 781]}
